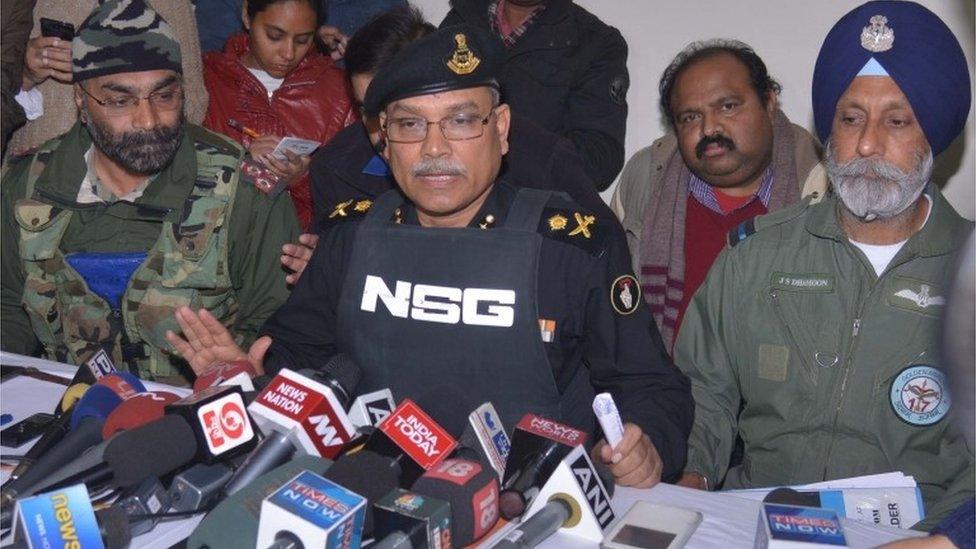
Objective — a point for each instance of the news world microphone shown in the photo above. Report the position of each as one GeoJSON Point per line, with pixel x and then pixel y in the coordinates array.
{"type": "Point", "coordinates": [538, 447]}
{"type": "Point", "coordinates": [471, 489]}
{"type": "Point", "coordinates": [371, 409]}
{"type": "Point", "coordinates": [407, 520]}
{"type": "Point", "coordinates": [485, 435]}
{"type": "Point", "coordinates": [233, 523]}
{"type": "Point", "coordinates": [300, 411]}
{"type": "Point", "coordinates": [65, 518]}
{"type": "Point", "coordinates": [311, 511]}
{"type": "Point", "coordinates": [413, 440]}
{"type": "Point", "coordinates": [136, 411]}
{"type": "Point", "coordinates": [220, 422]}
{"type": "Point", "coordinates": [87, 419]}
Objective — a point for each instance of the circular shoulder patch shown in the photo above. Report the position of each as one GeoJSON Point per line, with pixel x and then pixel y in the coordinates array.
{"type": "Point", "coordinates": [920, 395]}
{"type": "Point", "coordinates": [625, 294]}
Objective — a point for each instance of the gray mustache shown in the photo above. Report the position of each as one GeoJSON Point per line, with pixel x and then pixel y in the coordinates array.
{"type": "Point", "coordinates": [880, 168]}
{"type": "Point", "coordinates": [436, 166]}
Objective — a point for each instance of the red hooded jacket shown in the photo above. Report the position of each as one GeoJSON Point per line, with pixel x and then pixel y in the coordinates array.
{"type": "Point", "coordinates": [314, 102]}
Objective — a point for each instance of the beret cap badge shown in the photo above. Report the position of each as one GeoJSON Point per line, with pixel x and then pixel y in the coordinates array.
{"type": "Point", "coordinates": [464, 60]}
{"type": "Point", "coordinates": [877, 36]}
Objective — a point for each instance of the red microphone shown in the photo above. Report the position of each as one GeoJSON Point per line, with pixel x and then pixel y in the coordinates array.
{"type": "Point", "coordinates": [472, 490]}
{"type": "Point", "coordinates": [413, 439]}
{"type": "Point", "coordinates": [136, 411]}
{"type": "Point", "coordinates": [237, 372]}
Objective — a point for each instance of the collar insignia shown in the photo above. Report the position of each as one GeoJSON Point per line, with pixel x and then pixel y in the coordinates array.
{"type": "Point", "coordinates": [582, 225]}
{"type": "Point", "coordinates": [877, 36]}
{"type": "Point", "coordinates": [340, 209]}
{"type": "Point", "coordinates": [464, 60]}
{"type": "Point", "coordinates": [557, 222]}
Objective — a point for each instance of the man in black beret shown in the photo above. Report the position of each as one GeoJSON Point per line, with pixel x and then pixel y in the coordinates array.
{"type": "Point", "coordinates": [463, 280]}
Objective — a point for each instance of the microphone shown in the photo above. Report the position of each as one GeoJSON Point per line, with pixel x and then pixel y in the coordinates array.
{"type": "Point", "coordinates": [413, 440]}
{"type": "Point", "coordinates": [65, 518]}
{"type": "Point", "coordinates": [136, 411]}
{"type": "Point", "coordinates": [220, 422]}
{"type": "Point", "coordinates": [146, 498]}
{"type": "Point", "coordinates": [575, 483]}
{"type": "Point", "coordinates": [93, 369]}
{"type": "Point", "coordinates": [783, 525]}
{"type": "Point", "coordinates": [538, 446]}
{"type": "Point", "coordinates": [237, 372]}
{"type": "Point", "coordinates": [86, 421]}
{"type": "Point", "coordinates": [234, 522]}
{"type": "Point", "coordinates": [369, 475]}
{"type": "Point", "coordinates": [311, 511]}
{"type": "Point", "coordinates": [485, 436]}
{"type": "Point", "coordinates": [371, 409]}
{"type": "Point", "coordinates": [197, 487]}
{"type": "Point", "coordinates": [406, 520]}
{"type": "Point", "coordinates": [300, 410]}
{"type": "Point", "coordinates": [471, 489]}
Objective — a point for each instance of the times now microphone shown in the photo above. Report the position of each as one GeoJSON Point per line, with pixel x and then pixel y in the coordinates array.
{"type": "Point", "coordinates": [538, 446]}
{"type": "Point", "coordinates": [574, 500]}
{"type": "Point", "coordinates": [311, 511]}
{"type": "Point", "coordinates": [472, 490]}
{"type": "Point", "coordinates": [300, 410]}
{"type": "Point", "coordinates": [413, 440]}
{"type": "Point", "coordinates": [86, 421]}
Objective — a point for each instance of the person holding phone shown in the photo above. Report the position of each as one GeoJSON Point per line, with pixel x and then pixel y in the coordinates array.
{"type": "Point", "coordinates": [271, 82]}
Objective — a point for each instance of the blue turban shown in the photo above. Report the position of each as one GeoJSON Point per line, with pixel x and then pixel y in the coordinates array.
{"type": "Point", "coordinates": [915, 48]}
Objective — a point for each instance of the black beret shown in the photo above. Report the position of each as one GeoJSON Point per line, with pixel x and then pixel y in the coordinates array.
{"type": "Point", "coordinates": [451, 58]}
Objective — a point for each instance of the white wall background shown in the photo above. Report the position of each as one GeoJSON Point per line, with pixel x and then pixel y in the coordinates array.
{"type": "Point", "coordinates": [787, 34]}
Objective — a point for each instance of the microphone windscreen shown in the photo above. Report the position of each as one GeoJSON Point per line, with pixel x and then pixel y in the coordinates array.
{"type": "Point", "coordinates": [789, 496]}
{"type": "Point", "coordinates": [344, 370]}
{"type": "Point", "coordinates": [123, 383]}
{"type": "Point", "coordinates": [113, 525]}
{"type": "Point", "coordinates": [472, 490]}
{"type": "Point", "coordinates": [367, 474]}
{"type": "Point", "coordinates": [104, 396]}
{"type": "Point", "coordinates": [155, 449]}
{"type": "Point", "coordinates": [72, 395]}
{"type": "Point", "coordinates": [137, 411]}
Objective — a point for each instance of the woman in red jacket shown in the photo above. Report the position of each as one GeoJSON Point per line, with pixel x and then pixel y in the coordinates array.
{"type": "Point", "coordinates": [271, 82]}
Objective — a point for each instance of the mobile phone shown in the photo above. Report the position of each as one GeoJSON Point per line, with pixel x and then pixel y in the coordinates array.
{"type": "Point", "coordinates": [650, 526]}
{"type": "Point", "coordinates": [25, 430]}
{"type": "Point", "coordinates": [53, 27]}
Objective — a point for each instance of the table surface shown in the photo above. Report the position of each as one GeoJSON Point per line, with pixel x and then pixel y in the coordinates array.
{"type": "Point", "coordinates": [729, 521]}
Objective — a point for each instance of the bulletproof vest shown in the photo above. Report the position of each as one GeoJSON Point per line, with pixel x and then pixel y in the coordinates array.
{"type": "Point", "coordinates": [187, 265]}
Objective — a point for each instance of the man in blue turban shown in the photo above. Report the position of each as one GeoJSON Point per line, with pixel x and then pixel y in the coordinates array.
{"type": "Point", "coordinates": [815, 337]}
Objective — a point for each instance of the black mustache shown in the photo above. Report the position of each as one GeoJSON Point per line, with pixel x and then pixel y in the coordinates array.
{"type": "Point", "coordinates": [713, 139]}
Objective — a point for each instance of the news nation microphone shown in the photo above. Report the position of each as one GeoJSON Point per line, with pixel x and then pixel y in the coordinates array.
{"type": "Point", "coordinates": [221, 424]}
{"type": "Point", "coordinates": [371, 409]}
{"type": "Point", "coordinates": [413, 440]}
{"type": "Point", "coordinates": [574, 500]}
{"type": "Point", "coordinates": [538, 447]}
{"type": "Point", "coordinates": [407, 520]}
{"type": "Point", "coordinates": [485, 435]}
{"type": "Point", "coordinates": [471, 489]}
{"type": "Point", "coordinates": [234, 522]}
{"type": "Point", "coordinates": [237, 372]}
{"type": "Point", "coordinates": [311, 511]}
{"type": "Point", "coordinates": [86, 421]}
{"type": "Point", "coordinates": [296, 411]}
{"type": "Point", "coordinates": [65, 518]}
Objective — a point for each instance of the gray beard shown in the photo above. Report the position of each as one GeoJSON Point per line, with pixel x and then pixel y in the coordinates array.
{"type": "Point", "coordinates": [145, 152]}
{"type": "Point", "coordinates": [890, 192]}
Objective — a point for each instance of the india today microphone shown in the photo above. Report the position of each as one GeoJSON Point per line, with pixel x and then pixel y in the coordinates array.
{"type": "Point", "coordinates": [538, 447]}
{"type": "Point", "coordinates": [472, 490]}
{"type": "Point", "coordinates": [300, 412]}
{"type": "Point", "coordinates": [413, 440]}
{"type": "Point", "coordinates": [86, 421]}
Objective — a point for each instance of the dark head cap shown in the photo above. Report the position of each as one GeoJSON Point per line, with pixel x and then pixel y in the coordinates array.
{"type": "Point", "coordinates": [452, 58]}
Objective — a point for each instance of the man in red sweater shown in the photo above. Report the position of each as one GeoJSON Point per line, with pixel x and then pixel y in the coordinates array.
{"type": "Point", "coordinates": [733, 155]}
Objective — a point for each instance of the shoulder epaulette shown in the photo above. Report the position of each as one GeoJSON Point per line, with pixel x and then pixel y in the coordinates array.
{"type": "Point", "coordinates": [742, 232]}
{"type": "Point", "coordinates": [758, 223]}
{"type": "Point", "coordinates": [563, 221]}
{"type": "Point", "coordinates": [204, 138]}
{"type": "Point", "coordinates": [352, 208]}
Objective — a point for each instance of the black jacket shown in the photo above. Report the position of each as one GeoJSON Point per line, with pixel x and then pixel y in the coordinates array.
{"type": "Point", "coordinates": [568, 73]}
{"type": "Point", "coordinates": [536, 158]}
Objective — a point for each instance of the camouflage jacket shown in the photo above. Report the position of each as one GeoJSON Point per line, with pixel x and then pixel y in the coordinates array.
{"type": "Point", "coordinates": [211, 242]}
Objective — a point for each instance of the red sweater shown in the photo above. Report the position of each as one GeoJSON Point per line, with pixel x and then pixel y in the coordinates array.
{"type": "Point", "coordinates": [706, 233]}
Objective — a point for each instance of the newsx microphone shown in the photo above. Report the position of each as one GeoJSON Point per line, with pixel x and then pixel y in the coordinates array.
{"type": "Point", "coordinates": [65, 518]}
{"type": "Point", "coordinates": [567, 493]}
{"type": "Point", "coordinates": [86, 421]}
{"type": "Point", "coordinates": [300, 411]}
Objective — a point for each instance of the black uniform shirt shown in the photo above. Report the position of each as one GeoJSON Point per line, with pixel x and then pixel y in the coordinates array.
{"type": "Point", "coordinates": [578, 285]}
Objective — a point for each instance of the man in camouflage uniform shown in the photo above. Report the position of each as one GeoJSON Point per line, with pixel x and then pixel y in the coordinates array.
{"type": "Point", "coordinates": [133, 214]}
{"type": "Point", "coordinates": [816, 334]}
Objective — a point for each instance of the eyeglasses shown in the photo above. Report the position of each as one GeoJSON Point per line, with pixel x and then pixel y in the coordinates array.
{"type": "Point", "coordinates": [457, 127]}
{"type": "Point", "coordinates": [163, 100]}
